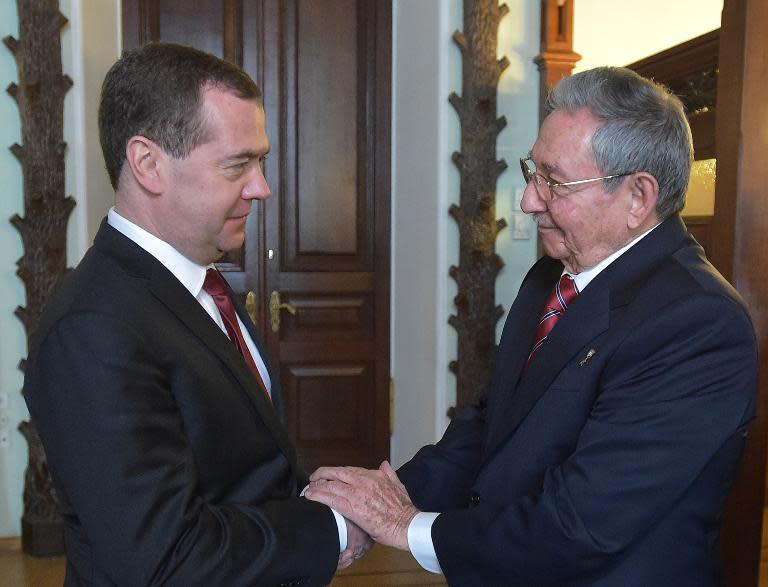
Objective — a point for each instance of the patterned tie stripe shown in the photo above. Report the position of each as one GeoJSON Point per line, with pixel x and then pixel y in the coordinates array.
{"type": "Point", "coordinates": [217, 288]}
{"type": "Point", "coordinates": [564, 293]}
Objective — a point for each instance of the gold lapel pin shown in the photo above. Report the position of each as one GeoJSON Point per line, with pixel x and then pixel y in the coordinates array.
{"type": "Point", "coordinates": [587, 357]}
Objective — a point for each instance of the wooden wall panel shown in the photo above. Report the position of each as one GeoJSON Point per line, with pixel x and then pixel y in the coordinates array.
{"type": "Point", "coordinates": [739, 245]}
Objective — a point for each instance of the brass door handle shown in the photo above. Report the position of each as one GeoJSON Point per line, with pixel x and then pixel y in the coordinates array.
{"type": "Point", "coordinates": [250, 306]}
{"type": "Point", "coordinates": [275, 305]}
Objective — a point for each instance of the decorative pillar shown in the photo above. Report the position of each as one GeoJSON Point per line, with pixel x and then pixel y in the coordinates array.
{"type": "Point", "coordinates": [476, 309]}
{"type": "Point", "coordinates": [557, 58]}
{"type": "Point", "coordinates": [40, 99]}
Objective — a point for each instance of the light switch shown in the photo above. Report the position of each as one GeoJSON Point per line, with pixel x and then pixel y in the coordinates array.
{"type": "Point", "coordinates": [521, 226]}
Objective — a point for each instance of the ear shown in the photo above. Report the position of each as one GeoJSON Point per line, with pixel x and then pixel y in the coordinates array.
{"type": "Point", "coordinates": [146, 161]}
{"type": "Point", "coordinates": [644, 191]}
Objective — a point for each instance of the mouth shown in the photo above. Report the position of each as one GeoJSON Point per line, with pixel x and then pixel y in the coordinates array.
{"type": "Point", "coordinates": [240, 217]}
{"type": "Point", "coordinates": [544, 223]}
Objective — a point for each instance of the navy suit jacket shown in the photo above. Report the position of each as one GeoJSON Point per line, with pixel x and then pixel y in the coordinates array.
{"type": "Point", "coordinates": [608, 462]}
{"type": "Point", "coordinates": [170, 464]}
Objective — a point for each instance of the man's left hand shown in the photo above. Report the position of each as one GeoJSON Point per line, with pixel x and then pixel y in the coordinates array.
{"type": "Point", "coordinates": [375, 500]}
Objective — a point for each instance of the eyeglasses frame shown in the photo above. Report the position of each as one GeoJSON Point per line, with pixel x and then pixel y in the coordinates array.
{"type": "Point", "coordinates": [528, 175]}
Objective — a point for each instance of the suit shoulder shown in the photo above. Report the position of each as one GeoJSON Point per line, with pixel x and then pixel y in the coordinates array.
{"type": "Point", "coordinates": [687, 284]}
{"type": "Point", "coordinates": [691, 268]}
{"type": "Point", "coordinates": [98, 285]}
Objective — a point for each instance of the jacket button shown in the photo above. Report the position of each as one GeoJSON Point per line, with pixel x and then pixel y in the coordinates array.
{"type": "Point", "coordinates": [474, 499]}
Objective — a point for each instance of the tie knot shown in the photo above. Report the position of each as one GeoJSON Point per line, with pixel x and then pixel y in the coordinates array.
{"type": "Point", "coordinates": [214, 283]}
{"type": "Point", "coordinates": [566, 291]}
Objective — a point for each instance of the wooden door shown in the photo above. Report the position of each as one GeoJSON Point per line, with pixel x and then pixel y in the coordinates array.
{"type": "Point", "coordinates": [321, 242]}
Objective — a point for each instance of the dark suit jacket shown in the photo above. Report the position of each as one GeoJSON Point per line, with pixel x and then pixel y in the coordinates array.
{"type": "Point", "coordinates": [170, 464]}
{"type": "Point", "coordinates": [607, 463]}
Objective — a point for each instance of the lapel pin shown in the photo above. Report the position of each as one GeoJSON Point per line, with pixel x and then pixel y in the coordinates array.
{"type": "Point", "coordinates": [587, 357]}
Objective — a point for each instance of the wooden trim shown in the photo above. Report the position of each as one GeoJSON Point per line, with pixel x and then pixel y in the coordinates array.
{"type": "Point", "coordinates": [10, 544]}
{"type": "Point", "coordinates": [382, 187]}
{"type": "Point", "coordinates": [680, 61]}
{"type": "Point", "coordinates": [557, 57]}
{"type": "Point", "coordinates": [739, 238]}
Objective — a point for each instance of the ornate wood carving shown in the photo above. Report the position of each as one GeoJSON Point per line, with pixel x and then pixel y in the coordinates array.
{"type": "Point", "coordinates": [557, 58]}
{"type": "Point", "coordinates": [40, 99]}
{"type": "Point", "coordinates": [477, 312]}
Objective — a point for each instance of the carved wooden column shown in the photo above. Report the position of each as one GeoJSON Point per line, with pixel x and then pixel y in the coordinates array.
{"type": "Point", "coordinates": [40, 98]}
{"type": "Point", "coordinates": [476, 309]}
{"type": "Point", "coordinates": [557, 58]}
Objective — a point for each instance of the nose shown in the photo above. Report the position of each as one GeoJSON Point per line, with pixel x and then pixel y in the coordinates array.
{"type": "Point", "coordinates": [531, 201]}
{"type": "Point", "coordinates": [256, 188]}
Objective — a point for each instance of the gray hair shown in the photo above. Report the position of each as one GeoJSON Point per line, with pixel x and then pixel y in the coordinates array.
{"type": "Point", "coordinates": [644, 129]}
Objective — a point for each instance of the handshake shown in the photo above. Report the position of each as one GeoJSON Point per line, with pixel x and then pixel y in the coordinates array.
{"type": "Point", "coordinates": [374, 502]}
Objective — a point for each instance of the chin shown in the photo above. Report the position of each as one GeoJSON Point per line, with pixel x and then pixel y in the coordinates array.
{"type": "Point", "coordinates": [233, 244]}
{"type": "Point", "coordinates": [554, 250]}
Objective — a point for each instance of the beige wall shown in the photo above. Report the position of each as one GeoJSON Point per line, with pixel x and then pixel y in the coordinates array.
{"type": "Point", "coordinates": [618, 32]}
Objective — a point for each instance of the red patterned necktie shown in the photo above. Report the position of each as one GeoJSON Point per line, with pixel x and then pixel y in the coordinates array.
{"type": "Point", "coordinates": [562, 295]}
{"type": "Point", "coordinates": [215, 285]}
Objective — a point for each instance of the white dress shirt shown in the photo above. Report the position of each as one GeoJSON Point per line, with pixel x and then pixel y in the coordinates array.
{"type": "Point", "coordinates": [420, 530]}
{"type": "Point", "coordinates": [191, 275]}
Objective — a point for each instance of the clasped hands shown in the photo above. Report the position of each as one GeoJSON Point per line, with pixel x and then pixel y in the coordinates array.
{"type": "Point", "coordinates": [374, 501]}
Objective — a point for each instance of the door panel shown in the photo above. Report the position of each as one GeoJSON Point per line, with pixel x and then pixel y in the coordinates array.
{"type": "Point", "coordinates": [320, 230]}
{"type": "Point", "coordinates": [321, 242]}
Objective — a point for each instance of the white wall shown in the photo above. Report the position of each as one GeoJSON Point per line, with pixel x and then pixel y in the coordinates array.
{"type": "Point", "coordinates": [427, 68]}
{"type": "Point", "coordinates": [90, 43]}
{"type": "Point", "coordinates": [12, 337]}
{"type": "Point", "coordinates": [619, 32]}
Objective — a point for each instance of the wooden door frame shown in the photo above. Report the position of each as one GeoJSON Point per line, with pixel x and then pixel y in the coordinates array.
{"type": "Point", "coordinates": [739, 236]}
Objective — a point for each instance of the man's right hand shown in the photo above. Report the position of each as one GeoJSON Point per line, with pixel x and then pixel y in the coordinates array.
{"type": "Point", "coordinates": [358, 544]}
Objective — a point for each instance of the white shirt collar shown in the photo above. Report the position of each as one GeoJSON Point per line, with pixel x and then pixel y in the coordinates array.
{"type": "Point", "coordinates": [582, 279]}
{"type": "Point", "coordinates": [190, 274]}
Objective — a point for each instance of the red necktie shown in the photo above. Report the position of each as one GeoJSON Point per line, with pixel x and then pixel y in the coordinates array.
{"type": "Point", "coordinates": [215, 285]}
{"type": "Point", "coordinates": [563, 294]}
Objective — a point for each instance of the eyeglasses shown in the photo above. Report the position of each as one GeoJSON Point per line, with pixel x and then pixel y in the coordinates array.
{"type": "Point", "coordinates": [546, 188]}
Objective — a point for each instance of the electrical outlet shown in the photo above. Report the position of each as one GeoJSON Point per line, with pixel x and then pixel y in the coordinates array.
{"type": "Point", "coordinates": [5, 439]}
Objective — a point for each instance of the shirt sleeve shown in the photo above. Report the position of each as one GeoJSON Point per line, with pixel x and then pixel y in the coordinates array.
{"type": "Point", "coordinates": [420, 541]}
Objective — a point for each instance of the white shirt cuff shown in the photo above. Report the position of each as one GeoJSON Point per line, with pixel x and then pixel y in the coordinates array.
{"type": "Point", "coordinates": [420, 541]}
{"type": "Point", "coordinates": [341, 524]}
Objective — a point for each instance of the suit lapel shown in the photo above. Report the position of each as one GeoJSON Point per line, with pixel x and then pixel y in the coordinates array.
{"type": "Point", "coordinates": [585, 319]}
{"type": "Point", "coordinates": [511, 396]}
{"type": "Point", "coordinates": [162, 284]}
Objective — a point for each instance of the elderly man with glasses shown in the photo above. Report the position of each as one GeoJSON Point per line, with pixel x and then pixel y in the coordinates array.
{"type": "Point", "coordinates": [624, 384]}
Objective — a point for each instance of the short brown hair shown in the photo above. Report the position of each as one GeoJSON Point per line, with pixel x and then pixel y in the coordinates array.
{"type": "Point", "coordinates": [156, 91]}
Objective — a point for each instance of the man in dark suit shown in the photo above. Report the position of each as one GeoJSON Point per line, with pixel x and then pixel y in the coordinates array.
{"type": "Point", "coordinates": [159, 413]}
{"type": "Point", "coordinates": [617, 412]}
